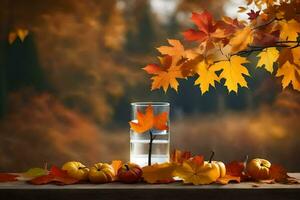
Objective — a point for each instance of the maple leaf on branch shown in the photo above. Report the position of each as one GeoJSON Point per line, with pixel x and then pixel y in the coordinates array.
{"type": "Point", "coordinates": [232, 72]}
{"type": "Point", "coordinates": [223, 45]}
{"type": "Point", "coordinates": [207, 76]}
{"type": "Point", "coordinates": [166, 75]}
{"type": "Point", "coordinates": [253, 15]}
{"type": "Point", "coordinates": [267, 58]}
{"type": "Point", "coordinates": [289, 68]}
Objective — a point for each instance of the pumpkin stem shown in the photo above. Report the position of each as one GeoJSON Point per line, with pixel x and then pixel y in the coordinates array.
{"type": "Point", "coordinates": [82, 167]}
{"type": "Point", "coordinates": [211, 156]}
{"type": "Point", "coordinates": [127, 168]}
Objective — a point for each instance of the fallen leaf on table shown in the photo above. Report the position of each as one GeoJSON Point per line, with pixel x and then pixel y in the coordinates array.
{"type": "Point", "coordinates": [116, 165]}
{"type": "Point", "coordinates": [196, 171]}
{"type": "Point", "coordinates": [6, 177]}
{"type": "Point", "coordinates": [227, 179]}
{"type": "Point", "coordinates": [56, 175]}
{"type": "Point", "coordinates": [267, 181]}
{"type": "Point", "coordinates": [235, 168]}
{"type": "Point", "coordinates": [178, 156]}
{"type": "Point", "coordinates": [159, 173]}
{"type": "Point", "coordinates": [279, 174]}
{"type": "Point", "coordinates": [35, 172]}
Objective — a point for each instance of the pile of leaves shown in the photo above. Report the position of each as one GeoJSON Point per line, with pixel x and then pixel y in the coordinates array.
{"type": "Point", "coordinates": [182, 167]}
{"type": "Point", "coordinates": [218, 49]}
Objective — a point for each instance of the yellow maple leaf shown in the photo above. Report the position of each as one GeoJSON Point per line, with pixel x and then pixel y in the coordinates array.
{"type": "Point", "coordinates": [291, 74]}
{"type": "Point", "coordinates": [267, 57]}
{"type": "Point", "coordinates": [289, 30]}
{"type": "Point", "coordinates": [296, 55]}
{"type": "Point", "coordinates": [176, 49]}
{"type": "Point", "coordinates": [241, 39]}
{"type": "Point", "coordinates": [206, 77]}
{"type": "Point", "coordinates": [228, 178]}
{"type": "Point", "coordinates": [195, 171]}
{"type": "Point", "coordinates": [159, 173]}
{"type": "Point", "coordinates": [165, 75]}
{"type": "Point", "coordinates": [232, 72]}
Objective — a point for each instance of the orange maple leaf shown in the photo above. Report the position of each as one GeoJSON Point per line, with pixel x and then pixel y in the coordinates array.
{"type": "Point", "coordinates": [165, 75]}
{"type": "Point", "coordinates": [159, 173]}
{"type": "Point", "coordinates": [178, 156]}
{"type": "Point", "coordinates": [148, 121]}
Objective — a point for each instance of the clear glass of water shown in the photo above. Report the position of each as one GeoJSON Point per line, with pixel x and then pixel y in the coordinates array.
{"type": "Point", "coordinates": [140, 142]}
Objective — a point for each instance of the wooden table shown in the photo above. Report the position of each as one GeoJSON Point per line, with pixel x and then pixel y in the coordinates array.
{"type": "Point", "coordinates": [174, 191]}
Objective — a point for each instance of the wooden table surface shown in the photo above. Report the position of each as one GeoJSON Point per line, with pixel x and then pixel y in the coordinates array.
{"type": "Point", "coordinates": [241, 191]}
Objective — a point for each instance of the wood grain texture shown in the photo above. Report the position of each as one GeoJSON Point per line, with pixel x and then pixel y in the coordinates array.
{"type": "Point", "coordinates": [242, 191]}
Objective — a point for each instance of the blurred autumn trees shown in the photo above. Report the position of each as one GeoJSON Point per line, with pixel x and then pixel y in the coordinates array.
{"type": "Point", "coordinates": [80, 66]}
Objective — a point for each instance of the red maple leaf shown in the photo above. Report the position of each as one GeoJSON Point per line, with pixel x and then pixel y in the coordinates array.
{"type": "Point", "coordinates": [6, 177]}
{"type": "Point", "coordinates": [56, 175]}
{"type": "Point", "coordinates": [235, 168]}
{"type": "Point", "coordinates": [205, 23]}
{"type": "Point", "coordinates": [253, 15]}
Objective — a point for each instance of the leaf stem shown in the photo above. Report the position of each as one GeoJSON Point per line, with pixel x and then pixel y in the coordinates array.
{"type": "Point", "coordinates": [150, 147]}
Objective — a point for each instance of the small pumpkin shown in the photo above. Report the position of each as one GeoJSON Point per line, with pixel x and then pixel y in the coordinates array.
{"type": "Point", "coordinates": [130, 173]}
{"type": "Point", "coordinates": [101, 173]}
{"type": "Point", "coordinates": [258, 169]}
{"type": "Point", "coordinates": [76, 170]}
{"type": "Point", "coordinates": [213, 170]}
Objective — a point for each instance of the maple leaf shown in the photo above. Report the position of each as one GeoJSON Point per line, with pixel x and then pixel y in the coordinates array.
{"type": "Point", "coordinates": [253, 15]}
{"type": "Point", "coordinates": [208, 30]}
{"type": "Point", "coordinates": [148, 121]}
{"type": "Point", "coordinates": [232, 72]}
{"type": "Point", "coordinates": [35, 172]}
{"type": "Point", "coordinates": [227, 179]}
{"type": "Point", "coordinates": [267, 57]}
{"type": "Point", "coordinates": [194, 171]}
{"type": "Point", "coordinates": [159, 173]}
{"type": "Point", "coordinates": [207, 76]}
{"type": "Point", "coordinates": [278, 173]}
{"type": "Point", "coordinates": [178, 156]}
{"type": "Point", "coordinates": [204, 22]}
{"type": "Point", "coordinates": [235, 168]}
{"type": "Point", "coordinates": [241, 39]}
{"type": "Point", "coordinates": [165, 75]}
{"type": "Point", "coordinates": [176, 50]}
{"type": "Point", "coordinates": [56, 175]}
{"type": "Point", "coordinates": [291, 74]}
{"type": "Point", "coordinates": [289, 30]}
{"type": "Point", "coordinates": [7, 177]}
{"type": "Point", "coordinates": [116, 165]}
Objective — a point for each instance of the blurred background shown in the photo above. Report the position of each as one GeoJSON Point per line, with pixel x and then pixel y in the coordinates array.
{"type": "Point", "coordinates": [69, 70]}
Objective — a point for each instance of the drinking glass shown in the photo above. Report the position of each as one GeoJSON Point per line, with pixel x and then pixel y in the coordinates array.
{"type": "Point", "coordinates": [141, 144]}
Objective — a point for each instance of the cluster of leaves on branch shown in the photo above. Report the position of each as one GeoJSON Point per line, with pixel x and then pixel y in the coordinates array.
{"type": "Point", "coordinates": [219, 49]}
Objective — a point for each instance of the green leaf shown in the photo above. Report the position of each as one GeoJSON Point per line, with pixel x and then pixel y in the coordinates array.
{"type": "Point", "coordinates": [35, 172]}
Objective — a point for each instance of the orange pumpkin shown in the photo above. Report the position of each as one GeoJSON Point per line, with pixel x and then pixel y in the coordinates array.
{"type": "Point", "coordinates": [101, 173]}
{"type": "Point", "coordinates": [130, 173]}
